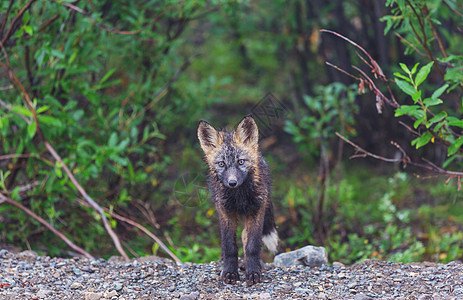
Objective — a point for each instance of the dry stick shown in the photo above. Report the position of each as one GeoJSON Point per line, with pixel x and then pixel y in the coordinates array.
{"type": "Point", "coordinates": [410, 44]}
{"type": "Point", "coordinates": [15, 19]}
{"type": "Point", "coordinates": [5, 16]}
{"type": "Point", "coordinates": [94, 22]}
{"type": "Point", "coordinates": [452, 9]}
{"type": "Point", "coordinates": [46, 224]}
{"type": "Point", "coordinates": [52, 151]}
{"type": "Point", "coordinates": [147, 232]}
{"type": "Point", "coordinates": [142, 228]}
{"type": "Point", "coordinates": [89, 200]}
{"type": "Point", "coordinates": [405, 159]}
{"type": "Point", "coordinates": [364, 152]}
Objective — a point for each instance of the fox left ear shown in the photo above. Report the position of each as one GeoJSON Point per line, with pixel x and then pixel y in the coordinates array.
{"type": "Point", "coordinates": [247, 132]}
{"type": "Point", "coordinates": [209, 137]}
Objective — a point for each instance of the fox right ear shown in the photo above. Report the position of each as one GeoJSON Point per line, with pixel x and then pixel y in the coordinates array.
{"type": "Point", "coordinates": [208, 136]}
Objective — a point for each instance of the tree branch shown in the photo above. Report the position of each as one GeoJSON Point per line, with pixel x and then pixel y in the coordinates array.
{"type": "Point", "coordinates": [55, 155]}
{"type": "Point", "coordinates": [46, 224]}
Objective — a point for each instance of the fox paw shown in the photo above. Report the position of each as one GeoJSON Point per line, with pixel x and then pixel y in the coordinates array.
{"type": "Point", "coordinates": [230, 277]}
{"type": "Point", "coordinates": [252, 278]}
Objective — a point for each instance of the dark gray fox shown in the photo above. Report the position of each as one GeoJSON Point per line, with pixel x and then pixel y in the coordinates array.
{"type": "Point", "coordinates": [239, 182]}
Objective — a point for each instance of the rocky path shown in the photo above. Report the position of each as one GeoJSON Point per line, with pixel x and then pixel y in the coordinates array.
{"type": "Point", "coordinates": [28, 276]}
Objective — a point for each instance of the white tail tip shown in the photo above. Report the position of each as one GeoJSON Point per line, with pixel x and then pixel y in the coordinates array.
{"type": "Point", "coordinates": [271, 241]}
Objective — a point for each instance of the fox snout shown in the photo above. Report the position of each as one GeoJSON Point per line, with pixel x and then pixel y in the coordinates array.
{"type": "Point", "coordinates": [232, 179]}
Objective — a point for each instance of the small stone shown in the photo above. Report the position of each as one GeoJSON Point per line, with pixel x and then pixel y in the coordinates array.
{"type": "Point", "coordinates": [264, 296]}
{"type": "Point", "coordinates": [192, 296]}
{"type": "Point", "coordinates": [338, 264]}
{"type": "Point", "coordinates": [362, 297]}
{"type": "Point", "coordinates": [110, 294]}
{"type": "Point", "coordinates": [118, 286]}
{"type": "Point", "coordinates": [77, 271]}
{"type": "Point", "coordinates": [92, 296]}
{"type": "Point", "coordinates": [28, 255]}
{"type": "Point", "coordinates": [75, 286]}
{"type": "Point", "coordinates": [308, 256]}
{"type": "Point", "coordinates": [3, 252]}
{"type": "Point", "coordinates": [43, 293]}
{"type": "Point", "coordinates": [302, 290]}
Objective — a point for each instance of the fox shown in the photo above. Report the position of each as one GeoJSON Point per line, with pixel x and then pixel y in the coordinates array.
{"type": "Point", "coordinates": [240, 186]}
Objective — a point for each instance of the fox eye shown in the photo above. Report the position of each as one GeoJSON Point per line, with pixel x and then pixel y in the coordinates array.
{"type": "Point", "coordinates": [241, 162]}
{"type": "Point", "coordinates": [221, 164]}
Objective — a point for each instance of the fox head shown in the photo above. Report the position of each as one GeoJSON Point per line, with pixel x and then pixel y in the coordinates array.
{"type": "Point", "coordinates": [231, 156]}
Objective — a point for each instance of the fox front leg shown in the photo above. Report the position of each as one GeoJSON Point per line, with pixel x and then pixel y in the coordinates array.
{"type": "Point", "coordinates": [228, 223]}
{"type": "Point", "coordinates": [252, 243]}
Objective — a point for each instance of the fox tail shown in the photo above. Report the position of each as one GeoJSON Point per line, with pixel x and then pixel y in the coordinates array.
{"type": "Point", "coordinates": [269, 233]}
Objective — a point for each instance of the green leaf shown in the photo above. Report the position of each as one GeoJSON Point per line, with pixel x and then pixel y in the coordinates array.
{"type": "Point", "coordinates": [452, 121]}
{"type": "Point", "coordinates": [110, 72]}
{"type": "Point", "coordinates": [22, 110]}
{"type": "Point", "coordinates": [112, 140]}
{"type": "Point", "coordinates": [28, 30]}
{"type": "Point", "coordinates": [417, 123]}
{"type": "Point", "coordinates": [437, 93]}
{"type": "Point", "coordinates": [448, 161]}
{"type": "Point", "coordinates": [423, 73]}
{"type": "Point", "coordinates": [439, 117]}
{"type": "Point", "coordinates": [31, 129]}
{"type": "Point", "coordinates": [397, 74]}
{"type": "Point", "coordinates": [58, 170]}
{"type": "Point", "coordinates": [405, 110]}
{"type": "Point", "coordinates": [42, 109]}
{"type": "Point", "coordinates": [455, 146]}
{"type": "Point", "coordinates": [422, 140]}
{"type": "Point", "coordinates": [414, 68]}
{"type": "Point", "coordinates": [405, 68]}
{"type": "Point", "coordinates": [406, 87]}
{"type": "Point", "coordinates": [432, 101]}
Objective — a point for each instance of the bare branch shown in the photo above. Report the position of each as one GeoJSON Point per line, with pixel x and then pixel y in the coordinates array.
{"type": "Point", "coordinates": [410, 44]}
{"type": "Point", "coordinates": [360, 152]}
{"type": "Point", "coordinates": [147, 232]}
{"type": "Point", "coordinates": [16, 19]}
{"type": "Point", "coordinates": [55, 155]}
{"type": "Point", "coordinates": [46, 224]}
{"type": "Point", "coordinates": [94, 22]}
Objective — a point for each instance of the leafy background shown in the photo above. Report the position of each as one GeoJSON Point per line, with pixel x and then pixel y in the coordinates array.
{"type": "Point", "coordinates": [118, 88]}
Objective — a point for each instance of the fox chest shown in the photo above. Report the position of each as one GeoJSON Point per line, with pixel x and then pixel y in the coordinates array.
{"type": "Point", "coordinates": [241, 201]}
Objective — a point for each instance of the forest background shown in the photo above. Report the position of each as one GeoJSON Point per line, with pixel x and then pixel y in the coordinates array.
{"type": "Point", "coordinates": [100, 100]}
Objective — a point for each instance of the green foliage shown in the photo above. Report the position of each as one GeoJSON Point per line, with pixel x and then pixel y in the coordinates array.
{"type": "Point", "coordinates": [330, 110]}
{"type": "Point", "coordinates": [428, 112]}
{"type": "Point", "coordinates": [105, 101]}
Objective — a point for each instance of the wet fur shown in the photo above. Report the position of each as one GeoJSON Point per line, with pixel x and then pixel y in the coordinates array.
{"type": "Point", "coordinates": [250, 198]}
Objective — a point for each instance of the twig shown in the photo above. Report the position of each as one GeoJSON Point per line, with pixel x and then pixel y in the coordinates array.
{"type": "Point", "coordinates": [9, 107]}
{"type": "Point", "coordinates": [15, 20]}
{"type": "Point", "coordinates": [6, 17]}
{"type": "Point", "coordinates": [409, 43]}
{"type": "Point", "coordinates": [365, 153]}
{"type": "Point", "coordinates": [452, 9]}
{"type": "Point", "coordinates": [94, 22]}
{"type": "Point", "coordinates": [89, 200]}
{"type": "Point", "coordinates": [434, 31]}
{"type": "Point", "coordinates": [405, 159]}
{"type": "Point", "coordinates": [147, 232]}
{"type": "Point", "coordinates": [46, 224]}
{"type": "Point", "coordinates": [55, 155]}
{"type": "Point", "coordinates": [142, 228]}
{"type": "Point", "coordinates": [376, 68]}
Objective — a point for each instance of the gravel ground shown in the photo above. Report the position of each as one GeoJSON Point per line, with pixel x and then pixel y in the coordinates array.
{"type": "Point", "coordinates": [28, 276]}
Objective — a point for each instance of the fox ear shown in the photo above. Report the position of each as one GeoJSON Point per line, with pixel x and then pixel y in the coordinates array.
{"type": "Point", "coordinates": [247, 132]}
{"type": "Point", "coordinates": [208, 136]}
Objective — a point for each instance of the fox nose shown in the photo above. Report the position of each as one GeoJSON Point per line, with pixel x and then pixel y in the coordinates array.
{"type": "Point", "coordinates": [232, 182]}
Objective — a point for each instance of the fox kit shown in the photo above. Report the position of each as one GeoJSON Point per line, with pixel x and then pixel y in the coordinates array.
{"type": "Point", "coordinates": [239, 181]}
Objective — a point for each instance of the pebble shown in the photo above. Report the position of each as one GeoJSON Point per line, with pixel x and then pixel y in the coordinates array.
{"type": "Point", "coordinates": [27, 276]}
